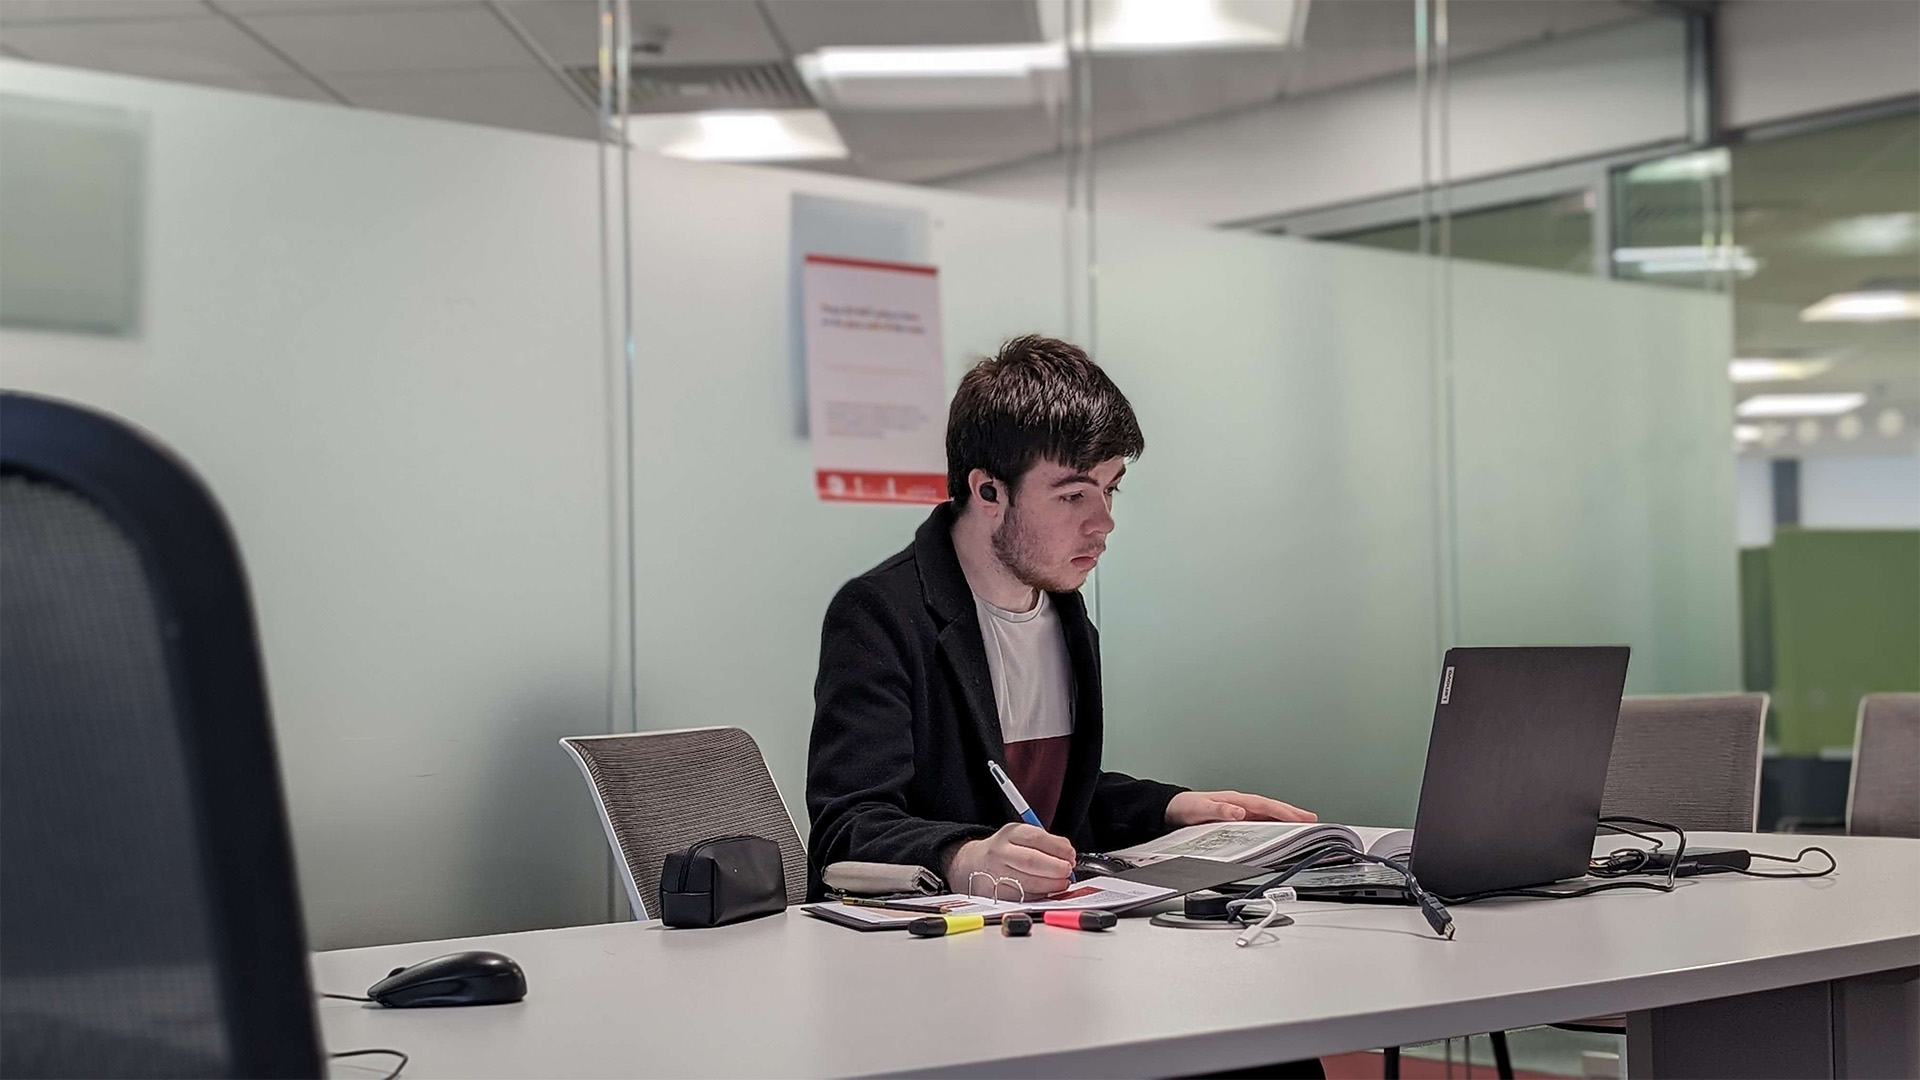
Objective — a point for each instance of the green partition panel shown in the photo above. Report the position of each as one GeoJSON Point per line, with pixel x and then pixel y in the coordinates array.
{"type": "Point", "coordinates": [1846, 622]}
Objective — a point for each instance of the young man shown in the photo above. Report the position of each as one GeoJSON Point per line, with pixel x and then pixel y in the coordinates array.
{"type": "Point", "coordinates": [973, 646]}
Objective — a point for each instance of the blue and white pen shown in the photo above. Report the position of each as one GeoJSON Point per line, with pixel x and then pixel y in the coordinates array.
{"type": "Point", "coordinates": [1013, 795]}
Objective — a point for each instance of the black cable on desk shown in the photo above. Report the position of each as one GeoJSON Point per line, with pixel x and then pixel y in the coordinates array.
{"type": "Point", "coordinates": [1630, 860]}
{"type": "Point", "coordinates": [1430, 905]}
{"type": "Point", "coordinates": [401, 1054]}
{"type": "Point", "coordinates": [1832, 864]}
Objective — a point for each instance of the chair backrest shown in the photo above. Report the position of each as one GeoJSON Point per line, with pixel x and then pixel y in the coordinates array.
{"type": "Point", "coordinates": [659, 791]}
{"type": "Point", "coordinates": [1883, 797]}
{"type": "Point", "coordinates": [1690, 760]}
{"type": "Point", "coordinates": [149, 924]}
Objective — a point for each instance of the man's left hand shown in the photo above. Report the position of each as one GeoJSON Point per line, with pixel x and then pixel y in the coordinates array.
{"type": "Point", "coordinates": [1200, 807]}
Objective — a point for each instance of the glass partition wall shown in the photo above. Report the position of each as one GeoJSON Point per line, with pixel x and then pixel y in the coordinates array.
{"type": "Point", "coordinates": [1429, 338]}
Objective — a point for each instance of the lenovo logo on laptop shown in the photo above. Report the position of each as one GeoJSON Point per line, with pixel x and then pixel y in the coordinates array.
{"type": "Point", "coordinates": [1446, 686]}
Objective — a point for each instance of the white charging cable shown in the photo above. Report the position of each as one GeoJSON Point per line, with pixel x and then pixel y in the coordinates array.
{"type": "Point", "coordinates": [1273, 898]}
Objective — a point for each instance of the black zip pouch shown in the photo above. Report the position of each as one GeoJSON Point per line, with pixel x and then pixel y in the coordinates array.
{"type": "Point", "coordinates": [724, 880]}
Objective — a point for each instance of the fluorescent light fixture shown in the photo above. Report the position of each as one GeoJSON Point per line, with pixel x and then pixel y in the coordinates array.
{"type": "Point", "coordinates": [948, 62]}
{"type": "Point", "coordinates": [1798, 405]}
{"type": "Point", "coordinates": [1137, 26]}
{"type": "Point", "coordinates": [1697, 166]}
{"type": "Point", "coordinates": [1746, 433]}
{"type": "Point", "coordinates": [945, 77]}
{"type": "Point", "coordinates": [1772, 369]}
{"type": "Point", "coordinates": [1865, 305]}
{"type": "Point", "coordinates": [1689, 260]}
{"type": "Point", "coordinates": [1896, 233]}
{"type": "Point", "coordinates": [745, 135]}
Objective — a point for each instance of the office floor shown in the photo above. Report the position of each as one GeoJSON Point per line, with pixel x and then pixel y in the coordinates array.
{"type": "Point", "coordinates": [1538, 1054]}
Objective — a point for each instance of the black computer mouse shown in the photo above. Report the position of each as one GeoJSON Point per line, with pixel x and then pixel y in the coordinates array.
{"type": "Point", "coordinates": [1093, 864]}
{"type": "Point", "coordinates": [466, 978]}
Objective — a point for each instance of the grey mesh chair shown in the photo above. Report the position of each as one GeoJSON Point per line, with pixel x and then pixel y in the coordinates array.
{"type": "Point", "coordinates": [1688, 760]}
{"type": "Point", "coordinates": [659, 791]}
{"type": "Point", "coordinates": [149, 924]}
{"type": "Point", "coordinates": [1883, 796]}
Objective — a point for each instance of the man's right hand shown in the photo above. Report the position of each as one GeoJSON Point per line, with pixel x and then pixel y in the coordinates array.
{"type": "Point", "coordinates": [1040, 861]}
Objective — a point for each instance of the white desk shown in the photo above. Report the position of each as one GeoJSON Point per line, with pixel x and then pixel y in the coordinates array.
{"type": "Point", "coordinates": [795, 996]}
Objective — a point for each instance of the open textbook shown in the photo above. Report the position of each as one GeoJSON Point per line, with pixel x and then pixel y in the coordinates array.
{"type": "Point", "coordinates": [1093, 894]}
{"type": "Point", "coordinates": [1265, 843]}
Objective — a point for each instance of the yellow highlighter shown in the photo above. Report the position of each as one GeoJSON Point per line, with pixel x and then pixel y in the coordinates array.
{"type": "Point", "coordinates": [942, 925]}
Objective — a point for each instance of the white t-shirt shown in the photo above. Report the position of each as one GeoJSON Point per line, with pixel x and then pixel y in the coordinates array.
{"type": "Point", "coordinates": [1032, 678]}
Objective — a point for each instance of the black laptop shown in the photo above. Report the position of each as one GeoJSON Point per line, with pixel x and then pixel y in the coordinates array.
{"type": "Point", "coordinates": [1516, 765]}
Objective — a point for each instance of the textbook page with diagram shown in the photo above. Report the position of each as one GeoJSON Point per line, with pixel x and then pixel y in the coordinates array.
{"type": "Point", "coordinates": [1265, 843]}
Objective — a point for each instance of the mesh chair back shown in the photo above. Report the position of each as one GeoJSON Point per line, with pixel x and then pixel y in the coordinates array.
{"type": "Point", "coordinates": [1691, 761]}
{"type": "Point", "coordinates": [1883, 798]}
{"type": "Point", "coordinates": [148, 925]}
{"type": "Point", "coordinates": [659, 791]}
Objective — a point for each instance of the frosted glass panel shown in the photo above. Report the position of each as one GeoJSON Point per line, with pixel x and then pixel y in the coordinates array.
{"type": "Point", "coordinates": [1267, 601]}
{"type": "Point", "coordinates": [1593, 473]}
{"type": "Point", "coordinates": [735, 556]}
{"type": "Point", "coordinates": [378, 341]}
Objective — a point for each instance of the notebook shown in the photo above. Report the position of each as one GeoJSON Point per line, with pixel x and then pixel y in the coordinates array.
{"type": "Point", "coordinates": [1264, 843]}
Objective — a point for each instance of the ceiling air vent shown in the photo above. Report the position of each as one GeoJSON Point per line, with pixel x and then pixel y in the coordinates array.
{"type": "Point", "coordinates": [698, 87]}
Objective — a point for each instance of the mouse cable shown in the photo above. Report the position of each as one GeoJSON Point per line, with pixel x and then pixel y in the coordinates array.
{"type": "Point", "coordinates": [344, 997]}
{"type": "Point", "coordinates": [1430, 905]}
{"type": "Point", "coordinates": [1832, 864]}
{"type": "Point", "coordinates": [401, 1054]}
{"type": "Point", "coordinates": [1618, 863]}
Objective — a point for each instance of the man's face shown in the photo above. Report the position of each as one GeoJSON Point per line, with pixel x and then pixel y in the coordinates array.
{"type": "Point", "coordinates": [1057, 523]}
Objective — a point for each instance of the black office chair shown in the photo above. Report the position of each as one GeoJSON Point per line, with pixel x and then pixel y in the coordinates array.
{"type": "Point", "coordinates": [149, 924]}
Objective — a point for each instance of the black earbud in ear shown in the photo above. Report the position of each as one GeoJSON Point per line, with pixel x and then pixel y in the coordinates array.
{"type": "Point", "coordinates": [988, 493]}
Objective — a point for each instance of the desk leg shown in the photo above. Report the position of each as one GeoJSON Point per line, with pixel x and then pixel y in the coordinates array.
{"type": "Point", "coordinates": [1864, 1027]}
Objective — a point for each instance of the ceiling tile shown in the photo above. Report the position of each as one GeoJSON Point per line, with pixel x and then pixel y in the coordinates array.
{"type": "Point", "coordinates": [1137, 92]}
{"type": "Point", "coordinates": [527, 100]}
{"type": "Point", "coordinates": [811, 24]}
{"type": "Point", "coordinates": [200, 48]}
{"type": "Point", "coordinates": [1003, 134]}
{"type": "Point", "coordinates": [40, 11]}
{"type": "Point", "coordinates": [450, 36]}
{"type": "Point", "coordinates": [298, 87]}
{"type": "Point", "coordinates": [688, 31]}
{"type": "Point", "coordinates": [308, 7]}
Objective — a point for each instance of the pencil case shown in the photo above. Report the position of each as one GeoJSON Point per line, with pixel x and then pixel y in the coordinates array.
{"type": "Point", "coordinates": [727, 879]}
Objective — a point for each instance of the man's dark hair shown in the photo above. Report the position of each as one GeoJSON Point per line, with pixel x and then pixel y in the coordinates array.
{"type": "Point", "coordinates": [1039, 398]}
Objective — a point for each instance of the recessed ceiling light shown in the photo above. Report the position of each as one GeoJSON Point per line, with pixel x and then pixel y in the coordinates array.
{"type": "Point", "coordinates": [1867, 304]}
{"type": "Point", "coordinates": [746, 135]}
{"type": "Point", "coordinates": [1161, 25]}
{"type": "Point", "coordinates": [1848, 427]}
{"type": "Point", "coordinates": [1868, 234]}
{"type": "Point", "coordinates": [1689, 260]}
{"type": "Point", "coordinates": [1775, 369]}
{"type": "Point", "coordinates": [944, 77]}
{"type": "Point", "coordinates": [1799, 404]}
{"type": "Point", "coordinates": [1680, 167]}
{"type": "Point", "coordinates": [1807, 431]}
{"type": "Point", "coordinates": [1746, 433]}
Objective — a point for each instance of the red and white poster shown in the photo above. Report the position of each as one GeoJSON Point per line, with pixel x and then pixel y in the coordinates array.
{"type": "Point", "coordinates": [876, 381]}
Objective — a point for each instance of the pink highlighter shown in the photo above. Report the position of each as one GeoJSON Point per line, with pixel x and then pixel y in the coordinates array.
{"type": "Point", "coordinates": [1080, 920]}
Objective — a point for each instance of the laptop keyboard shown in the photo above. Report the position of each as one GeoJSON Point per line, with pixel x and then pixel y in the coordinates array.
{"type": "Point", "coordinates": [1370, 876]}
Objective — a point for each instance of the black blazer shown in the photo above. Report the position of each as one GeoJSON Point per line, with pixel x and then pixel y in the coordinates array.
{"type": "Point", "coordinates": [904, 723]}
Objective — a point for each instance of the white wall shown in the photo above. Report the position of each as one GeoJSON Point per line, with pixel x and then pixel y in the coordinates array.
{"type": "Point", "coordinates": [378, 340]}
{"type": "Point", "coordinates": [1786, 58]}
{"type": "Point", "coordinates": [1576, 97]}
{"type": "Point", "coordinates": [1880, 491]}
